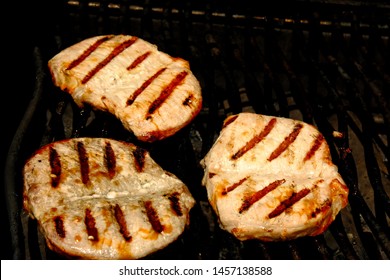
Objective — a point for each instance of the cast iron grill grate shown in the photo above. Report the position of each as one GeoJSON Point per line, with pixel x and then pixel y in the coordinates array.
{"type": "Point", "coordinates": [321, 62]}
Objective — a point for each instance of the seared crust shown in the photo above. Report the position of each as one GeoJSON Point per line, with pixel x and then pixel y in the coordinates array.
{"type": "Point", "coordinates": [98, 198]}
{"type": "Point", "coordinates": [153, 94]}
{"type": "Point", "coordinates": [272, 179]}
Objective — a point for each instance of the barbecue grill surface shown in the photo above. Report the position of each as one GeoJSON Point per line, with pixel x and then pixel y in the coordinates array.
{"type": "Point", "coordinates": [322, 62]}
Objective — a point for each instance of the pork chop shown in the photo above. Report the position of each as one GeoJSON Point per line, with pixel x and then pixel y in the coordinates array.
{"type": "Point", "coordinates": [97, 198]}
{"type": "Point", "coordinates": [272, 178]}
{"type": "Point", "coordinates": [153, 94]}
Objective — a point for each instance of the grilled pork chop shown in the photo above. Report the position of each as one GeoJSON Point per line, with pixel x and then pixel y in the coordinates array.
{"type": "Point", "coordinates": [153, 94]}
{"type": "Point", "coordinates": [272, 179]}
{"type": "Point", "coordinates": [98, 198]}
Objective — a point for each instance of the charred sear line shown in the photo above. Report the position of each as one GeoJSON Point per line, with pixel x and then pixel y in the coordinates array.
{"type": "Point", "coordinates": [314, 147]}
{"type": "Point", "coordinates": [84, 166]}
{"type": "Point", "coordinates": [175, 203]}
{"type": "Point", "coordinates": [249, 201]}
{"type": "Point", "coordinates": [110, 160]}
{"type": "Point", "coordinates": [188, 100]}
{"type": "Point", "coordinates": [166, 92]}
{"type": "Point", "coordinates": [139, 158]}
{"type": "Point", "coordinates": [115, 52]}
{"type": "Point", "coordinates": [153, 217]}
{"type": "Point", "coordinates": [59, 226]}
{"type": "Point", "coordinates": [55, 165]}
{"type": "Point", "coordinates": [86, 53]}
{"type": "Point", "coordinates": [323, 209]}
{"type": "Point", "coordinates": [138, 60]}
{"type": "Point", "coordinates": [90, 224]}
{"type": "Point", "coordinates": [229, 121]}
{"type": "Point", "coordinates": [255, 140]}
{"type": "Point", "coordinates": [120, 218]}
{"type": "Point", "coordinates": [235, 185]}
{"type": "Point", "coordinates": [138, 91]}
{"type": "Point", "coordinates": [294, 198]}
{"type": "Point", "coordinates": [286, 142]}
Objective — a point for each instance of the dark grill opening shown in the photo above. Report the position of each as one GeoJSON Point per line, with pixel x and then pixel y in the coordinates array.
{"type": "Point", "coordinates": [323, 62]}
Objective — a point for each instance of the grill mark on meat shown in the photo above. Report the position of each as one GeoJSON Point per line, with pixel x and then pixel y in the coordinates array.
{"type": "Point", "coordinates": [84, 166]}
{"type": "Point", "coordinates": [153, 217]}
{"type": "Point", "coordinates": [139, 159]}
{"type": "Point", "coordinates": [286, 142]}
{"type": "Point", "coordinates": [55, 165]}
{"type": "Point", "coordinates": [188, 100]}
{"type": "Point", "coordinates": [175, 203]}
{"type": "Point", "coordinates": [110, 160]}
{"type": "Point", "coordinates": [138, 60]}
{"type": "Point", "coordinates": [59, 225]}
{"type": "Point", "coordinates": [229, 121]}
{"type": "Point", "coordinates": [255, 140]}
{"type": "Point", "coordinates": [323, 209]}
{"type": "Point", "coordinates": [87, 52]}
{"type": "Point", "coordinates": [120, 218]}
{"type": "Point", "coordinates": [287, 203]}
{"type": "Point", "coordinates": [114, 53]}
{"type": "Point", "coordinates": [314, 147]}
{"type": "Point", "coordinates": [90, 224]}
{"type": "Point", "coordinates": [138, 91]}
{"type": "Point", "coordinates": [249, 201]}
{"type": "Point", "coordinates": [166, 92]}
{"type": "Point", "coordinates": [235, 185]}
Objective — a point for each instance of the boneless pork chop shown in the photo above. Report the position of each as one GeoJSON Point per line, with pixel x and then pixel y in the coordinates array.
{"type": "Point", "coordinates": [153, 94]}
{"type": "Point", "coordinates": [272, 179]}
{"type": "Point", "coordinates": [97, 198]}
